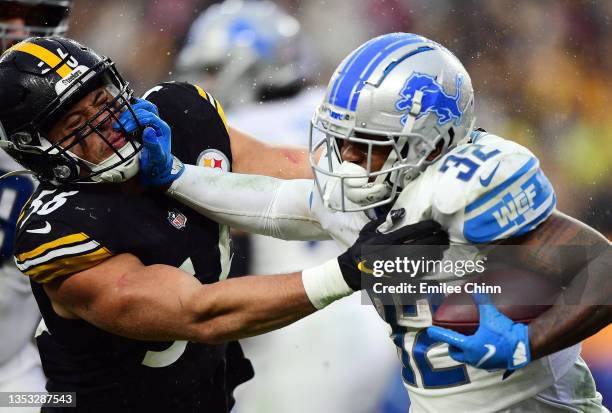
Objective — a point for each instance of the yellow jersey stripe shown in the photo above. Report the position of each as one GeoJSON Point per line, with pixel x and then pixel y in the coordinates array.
{"type": "Point", "coordinates": [45, 55]}
{"type": "Point", "coordinates": [23, 210]}
{"type": "Point", "coordinates": [222, 115]}
{"type": "Point", "coordinates": [215, 103]}
{"type": "Point", "coordinates": [21, 214]}
{"type": "Point", "coordinates": [201, 92]}
{"type": "Point", "coordinates": [42, 249]}
{"type": "Point", "coordinates": [68, 266]}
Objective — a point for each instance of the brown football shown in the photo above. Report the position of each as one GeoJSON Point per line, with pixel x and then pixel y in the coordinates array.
{"type": "Point", "coordinates": [524, 295]}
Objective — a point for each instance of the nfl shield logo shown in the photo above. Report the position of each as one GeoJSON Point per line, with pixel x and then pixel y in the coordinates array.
{"type": "Point", "coordinates": [177, 219]}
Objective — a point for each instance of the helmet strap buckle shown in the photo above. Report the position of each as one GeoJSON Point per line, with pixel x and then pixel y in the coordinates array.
{"type": "Point", "coordinates": [416, 106]}
{"type": "Point", "coordinates": [414, 111]}
{"type": "Point", "coordinates": [62, 172]}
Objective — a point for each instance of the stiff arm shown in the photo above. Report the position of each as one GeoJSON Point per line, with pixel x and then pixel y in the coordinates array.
{"type": "Point", "coordinates": [252, 203]}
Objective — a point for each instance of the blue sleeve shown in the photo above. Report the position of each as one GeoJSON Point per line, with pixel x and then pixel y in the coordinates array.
{"type": "Point", "coordinates": [512, 208]}
{"type": "Point", "coordinates": [14, 192]}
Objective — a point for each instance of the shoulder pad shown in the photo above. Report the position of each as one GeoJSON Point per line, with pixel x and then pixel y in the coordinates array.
{"type": "Point", "coordinates": [178, 89]}
{"type": "Point", "coordinates": [197, 121]}
{"type": "Point", "coordinates": [498, 185]}
{"type": "Point", "coordinates": [473, 169]}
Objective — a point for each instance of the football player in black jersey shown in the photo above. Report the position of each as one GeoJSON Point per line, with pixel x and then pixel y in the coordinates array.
{"type": "Point", "coordinates": [126, 279]}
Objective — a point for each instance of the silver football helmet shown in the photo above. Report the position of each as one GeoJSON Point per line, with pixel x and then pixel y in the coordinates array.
{"type": "Point", "coordinates": [398, 90]}
{"type": "Point", "coordinates": [238, 48]}
{"type": "Point", "coordinates": [20, 19]}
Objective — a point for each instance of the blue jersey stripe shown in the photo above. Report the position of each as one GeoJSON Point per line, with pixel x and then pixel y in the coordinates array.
{"type": "Point", "coordinates": [498, 189]}
{"type": "Point", "coordinates": [366, 58]}
{"type": "Point", "coordinates": [514, 213]}
{"type": "Point", "coordinates": [539, 219]}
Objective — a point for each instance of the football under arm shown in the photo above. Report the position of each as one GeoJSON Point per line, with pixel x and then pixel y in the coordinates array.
{"type": "Point", "coordinates": [252, 203]}
{"type": "Point", "coordinates": [252, 156]}
{"type": "Point", "coordinates": [158, 302]}
{"type": "Point", "coordinates": [585, 306]}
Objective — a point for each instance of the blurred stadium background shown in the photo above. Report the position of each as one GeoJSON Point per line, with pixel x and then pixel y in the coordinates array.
{"type": "Point", "coordinates": [542, 73]}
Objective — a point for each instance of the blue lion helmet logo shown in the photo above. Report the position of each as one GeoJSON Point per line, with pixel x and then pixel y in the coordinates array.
{"type": "Point", "coordinates": [434, 99]}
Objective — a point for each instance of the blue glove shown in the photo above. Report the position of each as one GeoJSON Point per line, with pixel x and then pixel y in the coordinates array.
{"type": "Point", "coordinates": [146, 113]}
{"type": "Point", "coordinates": [158, 167]}
{"type": "Point", "coordinates": [499, 343]}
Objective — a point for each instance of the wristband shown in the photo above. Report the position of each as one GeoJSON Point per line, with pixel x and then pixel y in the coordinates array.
{"type": "Point", "coordinates": [325, 284]}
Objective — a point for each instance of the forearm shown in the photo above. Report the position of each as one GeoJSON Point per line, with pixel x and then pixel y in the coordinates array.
{"type": "Point", "coordinates": [163, 303]}
{"type": "Point", "coordinates": [248, 306]}
{"type": "Point", "coordinates": [210, 313]}
{"type": "Point", "coordinates": [257, 204]}
{"type": "Point", "coordinates": [583, 309]}
{"type": "Point", "coordinates": [577, 256]}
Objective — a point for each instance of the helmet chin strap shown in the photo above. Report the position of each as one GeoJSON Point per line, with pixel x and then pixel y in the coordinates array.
{"type": "Point", "coordinates": [120, 173]}
{"type": "Point", "coordinates": [404, 177]}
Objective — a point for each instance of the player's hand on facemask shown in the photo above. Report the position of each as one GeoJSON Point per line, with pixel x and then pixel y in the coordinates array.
{"type": "Point", "coordinates": [158, 167]}
{"type": "Point", "coordinates": [499, 342]}
{"type": "Point", "coordinates": [142, 114]}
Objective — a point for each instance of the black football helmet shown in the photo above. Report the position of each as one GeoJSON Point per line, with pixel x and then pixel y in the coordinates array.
{"type": "Point", "coordinates": [40, 18]}
{"type": "Point", "coordinates": [40, 80]}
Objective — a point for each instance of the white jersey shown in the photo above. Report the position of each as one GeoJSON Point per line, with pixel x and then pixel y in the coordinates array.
{"type": "Point", "coordinates": [479, 192]}
{"type": "Point", "coordinates": [349, 366]}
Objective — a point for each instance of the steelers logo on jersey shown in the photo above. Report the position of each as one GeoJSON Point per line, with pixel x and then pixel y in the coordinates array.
{"type": "Point", "coordinates": [214, 159]}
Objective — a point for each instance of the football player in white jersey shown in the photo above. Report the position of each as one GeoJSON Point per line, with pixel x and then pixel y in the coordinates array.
{"type": "Point", "coordinates": [271, 78]}
{"type": "Point", "coordinates": [20, 368]}
{"type": "Point", "coordinates": [397, 124]}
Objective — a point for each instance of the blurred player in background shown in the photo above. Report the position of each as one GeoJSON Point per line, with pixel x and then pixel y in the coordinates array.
{"type": "Point", "coordinates": [20, 19]}
{"type": "Point", "coordinates": [251, 55]}
{"type": "Point", "coordinates": [20, 368]}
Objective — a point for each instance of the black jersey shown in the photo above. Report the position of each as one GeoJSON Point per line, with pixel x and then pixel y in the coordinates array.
{"type": "Point", "coordinates": [67, 229]}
